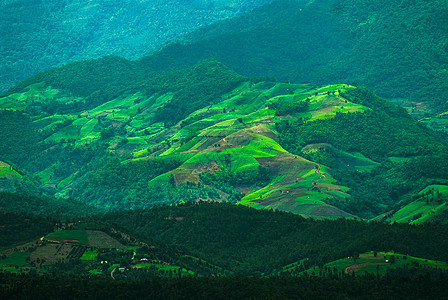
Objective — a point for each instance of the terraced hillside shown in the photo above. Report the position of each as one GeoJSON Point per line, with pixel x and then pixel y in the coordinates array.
{"type": "Point", "coordinates": [134, 138]}
{"type": "Point", "coordinates": [430, 204]}
{"type": "Point", "coordinates": [107, 252]}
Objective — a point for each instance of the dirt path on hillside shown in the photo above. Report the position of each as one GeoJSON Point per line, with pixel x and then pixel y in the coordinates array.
{"type": "Point", "coordinates": [321, 174]}
{"type": "Point", "coordinates": [357, 267]}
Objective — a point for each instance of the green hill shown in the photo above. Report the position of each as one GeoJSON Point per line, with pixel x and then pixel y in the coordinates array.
{"type": "Point", "coordinates": [429, 205]}
{"type": "Point", "coordinates": [398, 48]}
{"type": "Point", "coordinates": [378, 263]}
{"type": "Point", "coordinates": [21, 228]}
{"type": "Point", "coordinates": [256, 242]}
{"type": "Point", "coordinates": [43, 205]}
{"type": "Point", "coordinates": [205, 132]}
{"type": "Point", "coordinates": [214, 239]}
{"type": "Point", "coordinates": [93, 248]}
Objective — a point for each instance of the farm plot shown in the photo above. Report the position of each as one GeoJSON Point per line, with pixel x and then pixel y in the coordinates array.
{"type": "Point", "coordinates": [18, 258]}
{"type": "Point", "coordinates": [378, 263]}
{"type": "Point", "coordinates": [100, 239]}
{"type": "Point", "coordinates": [72, 236]}
{"type": "Point", "coordinates": [53, 253]}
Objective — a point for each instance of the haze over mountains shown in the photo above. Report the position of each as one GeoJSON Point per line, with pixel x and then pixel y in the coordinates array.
{"type": "Point", "coordinates": [38, 35]}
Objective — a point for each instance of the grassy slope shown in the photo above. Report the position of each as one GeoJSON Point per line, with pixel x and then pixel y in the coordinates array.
{"type": "Point", "coordinates": [379, 263]}
{"type": "Point", "coordinates": [431, 202]}
{"type": "Point", "coordinates": [95, 243]}
{"type": "Point", "coordinates": [331, 41]}
{"type": "Point", "coordinates": [8, 172]}
{"type": "Point", "coordinates": [237, 127]}
{"type": "Point", "coordinates": [239, 138]}
{"type": "Point", "coordinates": [233, 131]}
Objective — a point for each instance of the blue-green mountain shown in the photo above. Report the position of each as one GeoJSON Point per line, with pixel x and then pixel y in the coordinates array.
{"type": "Point", "coordinates": [38, 35]}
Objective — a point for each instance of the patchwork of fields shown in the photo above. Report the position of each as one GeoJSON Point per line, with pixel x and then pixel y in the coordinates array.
{"type": "Point", "coordinates": [233, 139]}
{"type": "Point", "coordinates": [236, 135]}
{"type": "Point", "coordinates": [94, 252]}
{"type": "Point", "coordinates": [377, 263]}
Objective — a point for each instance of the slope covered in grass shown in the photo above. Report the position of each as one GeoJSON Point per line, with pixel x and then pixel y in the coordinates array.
{"type": "Point", "coordinates": [118, 135]}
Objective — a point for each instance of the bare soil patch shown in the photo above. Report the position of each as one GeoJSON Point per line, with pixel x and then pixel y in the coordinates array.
{"type": "Point", "coordinates": [210, 141]}
{"type": "Point", "coordinates": [357, 267]}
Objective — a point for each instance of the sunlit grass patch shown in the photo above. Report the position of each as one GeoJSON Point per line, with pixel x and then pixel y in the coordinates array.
{"type": "Point", "coordinates": [16, 259]}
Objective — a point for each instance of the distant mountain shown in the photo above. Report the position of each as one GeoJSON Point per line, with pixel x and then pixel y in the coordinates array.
{"type": "Point", "coordinates": [398, 48]}
{"type": "Point", "coordinates": [120, 135]}
{"type": "Point", "coordinates": [38, 35]}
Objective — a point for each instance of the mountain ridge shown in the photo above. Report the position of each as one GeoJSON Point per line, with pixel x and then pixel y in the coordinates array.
{"type": "Point", "coordinates": [209, 133]}
{"type": "Point", "coordinates": [385, 46]}
{"type": "Point", "coordinates": [38, 35]}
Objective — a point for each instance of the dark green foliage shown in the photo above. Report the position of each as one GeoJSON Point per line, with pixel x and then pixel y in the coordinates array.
{"type": "Point", "coordinates": [104, 79]}
{"type": "Point", "coordinates": [374, 134]}
{"type": "Point", "coordinates": [97, 80]}
{"type": "Point", "coordinates": [86, 77]}
{"type": "Point", "coordinates": [199, 86]}
{"type": "Point", "coordinates": [123, 185]}
{"type": "Point", "coordinates": [211, 180]}
{"type": "Point", "coordinates": [118, 185]}
{"type": "Point", "coordinates": [365, 96]}
{"type": "Point", "coordinates": [117, 174]}
{"type": "Point", "coordinates": [22, 227]}
{"type": "Point", "coordinates": [18, 137]}
{"type": "Point", "coordinates": [68, 159]}
{"type": "Point", "coordinates": [39, 35]}
{"type": "Point", "coordinates": [390, 182]}
{"type": "Point", "coordinates": [235, 287]}
{"type": "Point", "coordinates": [285, 107]}
{"type": "Point", "coordinates": [325, 156]}
{"type": "Point", "coordinates": [399, 48]}
{"type": "Point", "coordinates": [260, 176]}
{"type": "Point", "coordinates": [249, 241]}
{"type": "Point", "coordinates": [44, 205]}
{"type": "Point", "coordinates": [385, 131]}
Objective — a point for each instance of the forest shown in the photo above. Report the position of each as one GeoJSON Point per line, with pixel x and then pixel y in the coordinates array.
{"type": "Point", "coordinates": [398, 48]}
{"type": "Point", "coordinates": [192, 172]}
{"type": "Point", "coordinates": [252, 242]}
{"type": "Point", "coordinates": [21, 227]}
{"type": "Point", "coordinates": [366, 287]}
{"type": "Point", "coordinates": [40, 35]}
